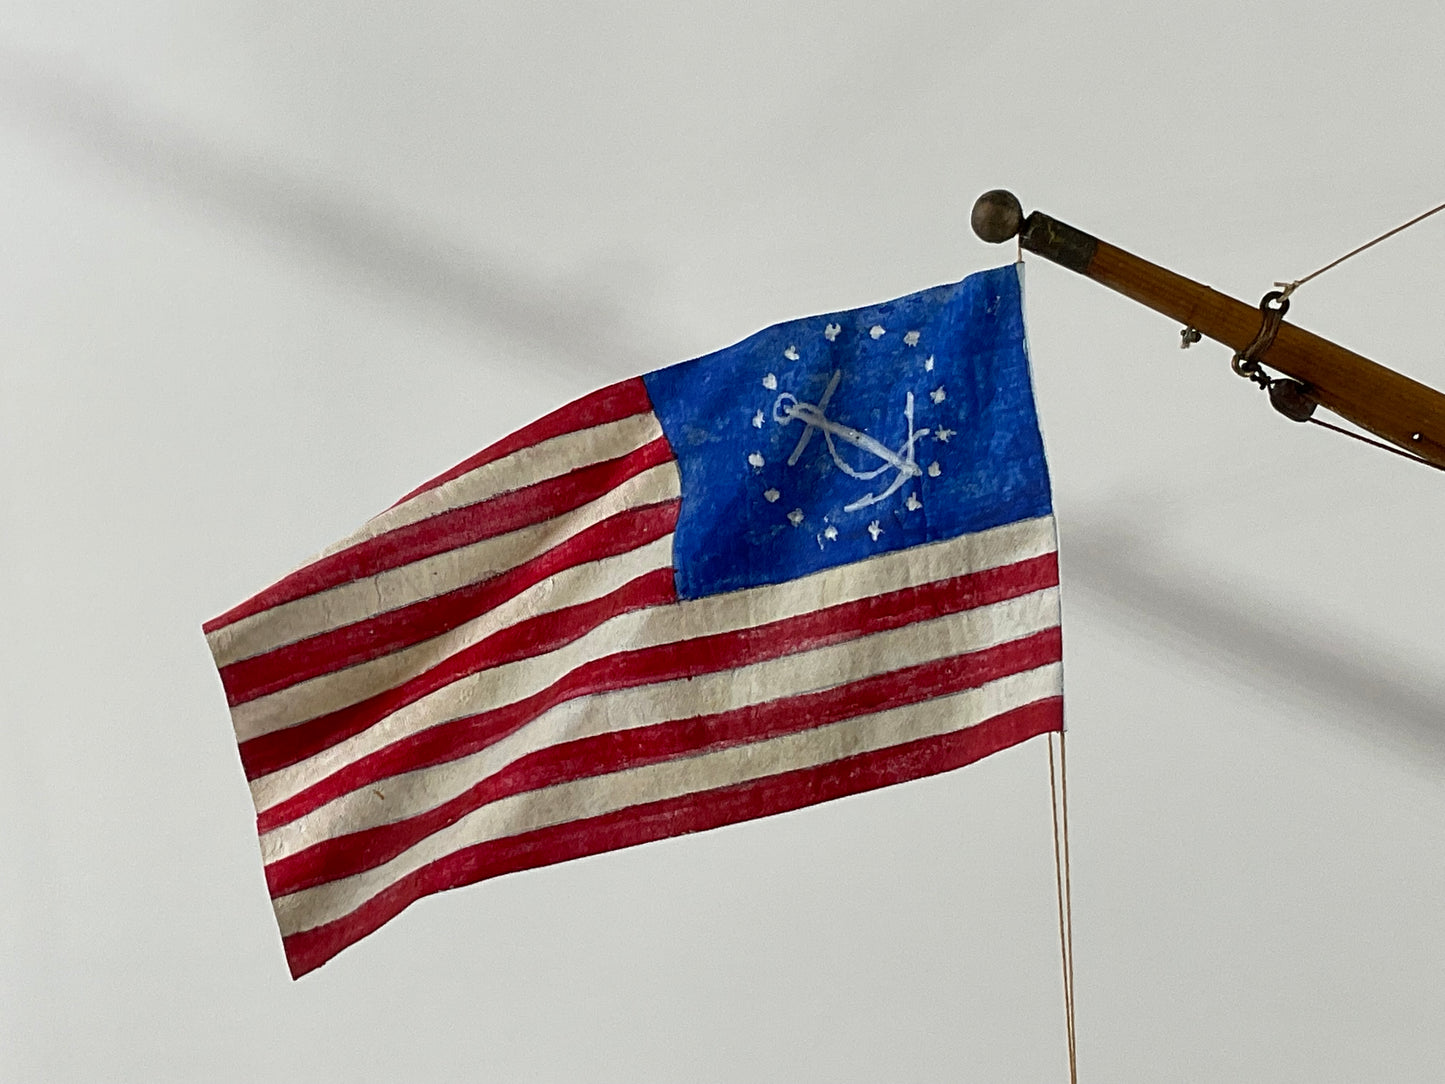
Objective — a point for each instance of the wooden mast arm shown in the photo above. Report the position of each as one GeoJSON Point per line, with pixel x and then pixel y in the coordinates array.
{"type": "Point", "coordinates": [1404, 412]}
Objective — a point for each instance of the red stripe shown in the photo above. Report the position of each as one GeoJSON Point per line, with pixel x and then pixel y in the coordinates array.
{"type": "Point", "coordinates": [343, 856]}
{"type": "Point", "coordinates": [627, 669]}
{"type": "Point", "coordinates": [400, 628]}
{"type": "Point", "coordinates": [621, 400]}
{"type": "Point", "coordinates": [309, 949]}
{"type": "Point", "coordinates": [456, 527]}
{"type": "Point", "coordinates": [545, 632]}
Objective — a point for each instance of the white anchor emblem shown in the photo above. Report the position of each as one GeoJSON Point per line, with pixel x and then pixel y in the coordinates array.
{"type": "Point", "coordinates": [813, 416]}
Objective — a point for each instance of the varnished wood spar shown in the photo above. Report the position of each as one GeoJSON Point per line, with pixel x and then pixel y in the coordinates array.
{"type": "Point", "coordinates": [1391, 405]}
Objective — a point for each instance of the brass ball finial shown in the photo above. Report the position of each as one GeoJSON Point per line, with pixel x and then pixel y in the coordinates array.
{"type": "Point", "coordinates": [997, 216]}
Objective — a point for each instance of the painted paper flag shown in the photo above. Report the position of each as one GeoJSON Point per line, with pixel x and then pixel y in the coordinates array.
{"type": "Point", "coordinates": [814, 563]}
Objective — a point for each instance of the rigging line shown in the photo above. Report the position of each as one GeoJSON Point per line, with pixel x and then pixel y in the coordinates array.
{"type": "Point", "coordinates": [1068, 894]}
{"type": "Point", "coordinates": [1378, 444]}
{"type": "Point", "coordinates": [1063, 936]}
{"type": "Point", "coordinates": [1059, 894]}
{"type": "Point", "coordinates": [1291, 287]}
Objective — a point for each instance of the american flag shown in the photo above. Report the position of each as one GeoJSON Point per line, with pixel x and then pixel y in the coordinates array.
{"type": "Point", "coordinates": [817, 562]}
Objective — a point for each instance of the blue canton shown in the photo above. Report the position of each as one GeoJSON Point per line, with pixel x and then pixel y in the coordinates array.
{"type": "Point", "coordinates": [832, 439]}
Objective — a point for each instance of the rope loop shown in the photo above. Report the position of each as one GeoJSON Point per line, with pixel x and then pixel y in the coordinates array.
{"type": "Point", "coordinates": [1272, 307]}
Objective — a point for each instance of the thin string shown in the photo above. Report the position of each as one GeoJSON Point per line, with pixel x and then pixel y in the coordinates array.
{"type": "Point", "coordinates": [1059, 892]}
{"type": "Point", "coordinates": [1065, 935]}
{"type": "Point", "coordinates": [1068, 893]}
{"type": "Point", "coordinates": [1376, 443]}
{"type": "Point", "coordinates": [1291, 287]}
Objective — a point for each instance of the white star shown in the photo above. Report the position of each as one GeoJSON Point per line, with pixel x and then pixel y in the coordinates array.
{"type": "Point", "coordinates": [831, 331]}
{"type": "Point", "coordinates": [795, 517]}
{"type": "Point", "coordinates": [770, 495]}
{"type": "Point", "coordinates": [928, 363]}
{"type": "Point", "coordinates": [756, 459]}
{"type": "Point", "coordinates": [934, 470]}
{"type": "Point", "coordinates": [791, 353]}
{"type": "Point", "coordinates": [758, 420]}
{"type": "Point", "coordinates": [938, 395]}
{"type": "Point", "coordinates": [910, 339]}
{"type": "Point", "coordinates": [770, 382]}
{"type": "Point", "coordinates": [874, 530]}
{"type": "Point", "coordinates": [943, 434]}
{"type": "Point", "coordinates": [877, 331]}
{"type": "Point", "coordinates": [913, 504]}
{"type": "Point", "coordinates": [830, 532]}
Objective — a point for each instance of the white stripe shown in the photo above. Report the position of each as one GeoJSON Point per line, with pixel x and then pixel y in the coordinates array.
{"type": "Point", "coordinates": [685, 620]}
{"type": "Point", "coordinates": [342, 688]}
{"type": "Point", "coordinates": [694, 617]}
{"type": "Point", "coordinates": [396, 798]}
{"type": "Point", "coordinates": [524, 467]}
{"type": "Point", "coordinates": [600, 795]}
{"type": "Point", "coordinates": [431, 576]}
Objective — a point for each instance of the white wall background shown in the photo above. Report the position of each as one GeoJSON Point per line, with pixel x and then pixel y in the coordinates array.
{"type": "Point", "coordinates": [265, 266]}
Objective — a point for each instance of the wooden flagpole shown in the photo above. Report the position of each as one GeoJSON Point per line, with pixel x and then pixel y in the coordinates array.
{"type": "Point", "coordinates": [1404, 412]}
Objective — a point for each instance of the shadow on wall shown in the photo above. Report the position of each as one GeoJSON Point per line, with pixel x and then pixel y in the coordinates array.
{"type": "Point", "coordinates": [1219, 626]}
{"type": "Point", "coordinates": [377, 246]}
